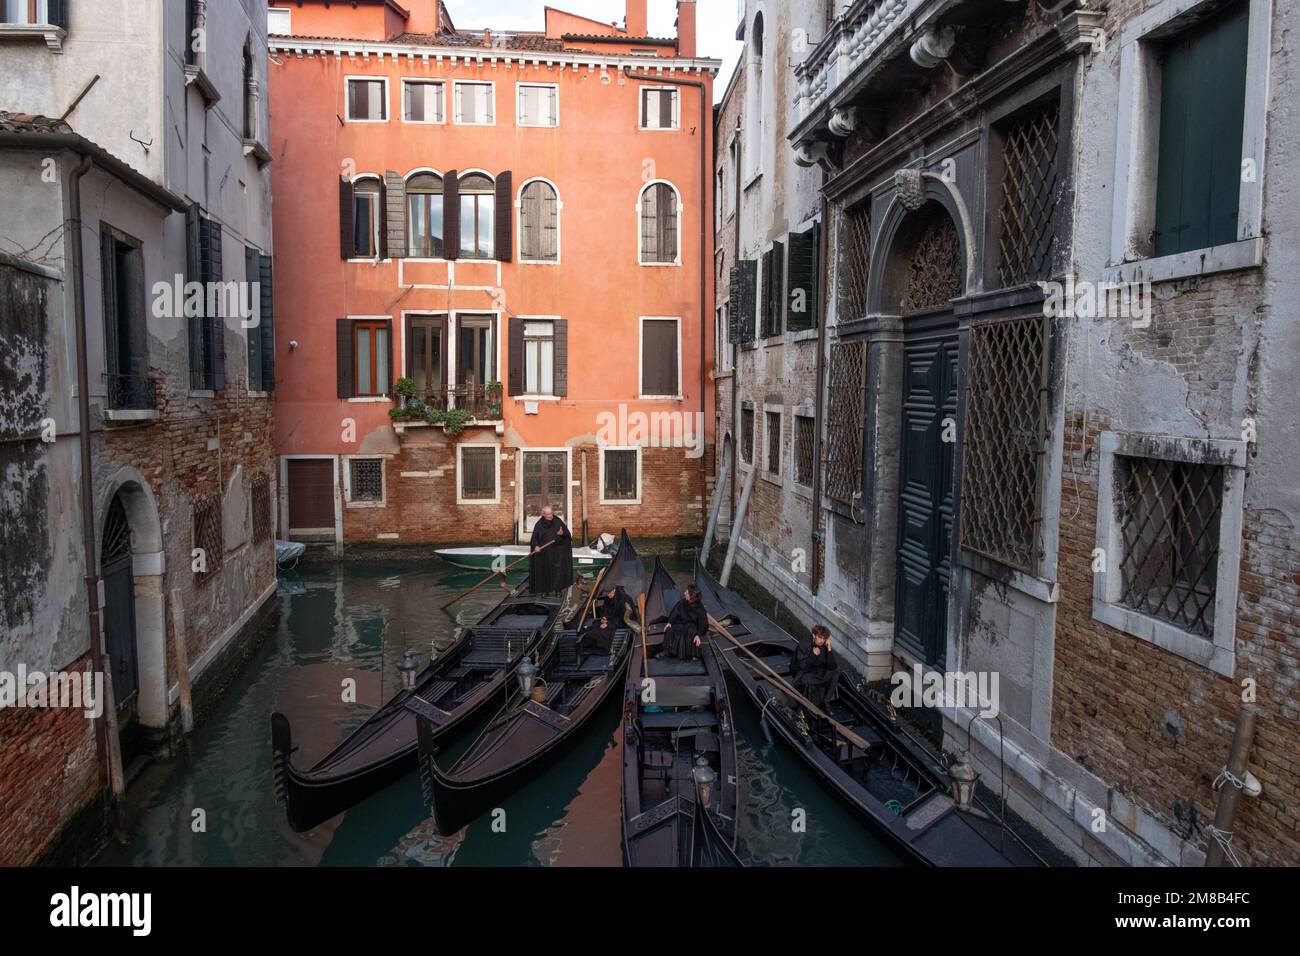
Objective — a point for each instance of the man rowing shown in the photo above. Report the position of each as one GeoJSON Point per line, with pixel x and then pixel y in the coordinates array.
{"type": "Point", "coordinates": [550, 570]}
{"type": "Point", "coordinates": [688, 623]}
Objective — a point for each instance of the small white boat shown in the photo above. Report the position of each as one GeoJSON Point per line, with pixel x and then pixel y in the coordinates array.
{"type": "Point", "coordinates": [491, 557]}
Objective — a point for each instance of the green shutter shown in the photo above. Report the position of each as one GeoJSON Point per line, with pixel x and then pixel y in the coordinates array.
{"type": "Point", "coordinates": [803, 289]}
{"type": "Point", "coordinates": [1202, 110]}
{"type": "Point", "coordinates": [267, 328]}
{"type": "Point", "coordinates": [253, 333]}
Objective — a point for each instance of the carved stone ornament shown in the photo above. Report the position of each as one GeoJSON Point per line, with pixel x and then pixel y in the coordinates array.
{"type": "Point", "coordinates": [843, 121]}
{"type": "Point", "coordinates": [911, 190]}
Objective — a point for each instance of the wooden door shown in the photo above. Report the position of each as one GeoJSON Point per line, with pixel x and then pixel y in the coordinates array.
{"type": "Point", "coordinates": [310, 483]}
{"type": "Point", "coordinates": [546, 482]}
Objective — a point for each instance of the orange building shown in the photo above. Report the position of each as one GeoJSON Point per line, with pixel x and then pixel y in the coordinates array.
{"type": "Point", "coordinates": [508, 305]}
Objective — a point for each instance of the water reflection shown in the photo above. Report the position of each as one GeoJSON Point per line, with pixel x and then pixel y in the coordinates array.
{"type": "Point", "coordinates": [341, 632]}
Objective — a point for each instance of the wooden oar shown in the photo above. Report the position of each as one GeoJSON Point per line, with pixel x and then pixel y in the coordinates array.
{"type": "Point", "coordinates": [591, 598]}
{"type": "Point", "coordinates": [784, 685]}
{"type": "Point", "coordinates": [645, 661]}
{"type": "Point", "coordinates": [502, 572]}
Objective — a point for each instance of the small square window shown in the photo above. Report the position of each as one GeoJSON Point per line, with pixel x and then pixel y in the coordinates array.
{"type": "Point", "coordinates": [478, 473]}
{"type": "Point", "coordinates": [366, 480]}
{"type": "Point", "coordinates": [422, 101]}
{"type": "Point", "coordinates": [367, 100]}
{"type": "Point", "coordinates": [538, 105]}
{"type": "Point", "coordinates": [620, 476]}
{"type": "Point", "coordinates": [659, 108]}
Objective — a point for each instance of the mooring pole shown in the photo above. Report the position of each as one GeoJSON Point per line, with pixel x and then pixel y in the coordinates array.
{"type": "Point", "coordinates": [736, 524]}
{"type": "Point", "coordinates": [716, 507]}
{"type": "Point", "coordinates": [1230, 784]}
{"type": "Point", "coordinates": [182, 662]}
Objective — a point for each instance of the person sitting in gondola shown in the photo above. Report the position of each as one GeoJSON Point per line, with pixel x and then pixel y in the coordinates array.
{"type": "Point", "coordinates": [597, 637]}
{"type": "Point", "coordinates": [614, 604]}
{"type": "Point", "coordinates": [550, 570]}
{"type": "Point", "coordinates": [688, 623]}
{"type": "Point", "coordinates": [814, 669]}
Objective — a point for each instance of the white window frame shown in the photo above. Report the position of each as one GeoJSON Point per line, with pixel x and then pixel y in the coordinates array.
{"type": "Point", "coordinates": [285, 13]}
{"type": "Point", "coordinates": [681, 214]}
{"type": "Point", "coordinates": [460, 473]}
{"type": "Point", "coordinates": [519, 88]}
{"type": "Point", "coordinates": [372, 399]}
{"type": "Point", "coordinates": [442, 99]}
{"type": "Point", "coordinates": [639, 458]}
{"type": "Point", "coordinates": [1218, 651]}
{"type": "Point", "coordinates": [677, 109]}
{"type": "Point", "coordinates": [538, 396]}
{"type": "Point", "coordinates": [640, 356]}
{"type": "Point", "coordinates": [347, 98]}
{"type": "Point", "coordinates": [375, 237]}
{"type": "Point", "coordinates": [766, 472]}
{"type": "Point", "coordinates": [383, 481]}
{"type": "Point", "coordinates": [1138, 132]}
{"type": "Point", "coordinates": [519, 224]}
{"type": "Point", "coordinates": [492, 98]}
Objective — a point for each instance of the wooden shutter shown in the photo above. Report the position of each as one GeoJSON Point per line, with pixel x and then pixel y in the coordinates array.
{"type": "Point", "coordinates": [515, 356]}
{"type": "Point", "coordinates": [347, 239]}
{"type": "Point", "coordinates": [505, 214]}
{"type": "Point", "coordinates": [58, 13]}
{"type": "Point", "coordinates": [666, 98]}
{"type": "Point", "coordinates": [658, 357]}
{"type": "Point", "coordinates": [252, 273]}
{"type": "Point", "coordinates": [561, 364]}
{"type": "Point", "coordinates": [530, 222]}
{"type": "Point", "coordinates": [267, 328]}
{"type": "Point", "coordinates": [803, 288]}
{"type": "Point", "coordinates": [108, 283]}
{"type": "Point", "coordinates": [392, 226]}
{"type": "Point", "coordinates": [194, 323]}
{"type": "Point", "coordinates": [388, 360]}
{"type": "Point", "coordinates": [343, 355]}
{"type": "Point", "coordinates": [773, 285]}
{"type": "Point", "coordinates": [1202, 102]}
{"type": "Point", "coordinates": [450, 215]}
{"type": "Point", "coordinates": [744, 284]}
{"type": "Point", "coordinates": [211, 268]}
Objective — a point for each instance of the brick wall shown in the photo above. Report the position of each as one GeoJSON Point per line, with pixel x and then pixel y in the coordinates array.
{"type": "Point", "coordinates": [1113, 692]}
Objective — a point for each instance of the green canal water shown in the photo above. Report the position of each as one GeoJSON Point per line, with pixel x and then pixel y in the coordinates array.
{"type": "Point", "coordinates": [354, 621]}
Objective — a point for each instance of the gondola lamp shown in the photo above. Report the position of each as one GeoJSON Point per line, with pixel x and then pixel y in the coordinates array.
{"type": "Point", "coordinates": [963, 776]}
{"type": "Point", "coordinates": [408, 667]}
{"type": "Point", "coordinates": [527, 673]}
{"type": "Point", "coordinates": [705, 778]}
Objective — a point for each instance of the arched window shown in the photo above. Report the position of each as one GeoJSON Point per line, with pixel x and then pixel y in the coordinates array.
{"type": "Point", "coordinates": [424, 216]}
{"type": "Point", "coordinates": [477, 216]}
{"type": "Point", "coordinates": [539, 222]}
{"type": "Point", "coordinates": [365, 218]}
{"type": "Point", "coordinates": [659, 234]}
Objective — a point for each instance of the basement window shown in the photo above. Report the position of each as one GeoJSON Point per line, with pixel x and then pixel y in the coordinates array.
{"type": "Point", "coordinates": [365, 485]}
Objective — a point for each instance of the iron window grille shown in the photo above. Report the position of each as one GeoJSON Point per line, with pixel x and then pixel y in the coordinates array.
{"type": "Point", "coordinates": [803, 449]}
{"type": "Point", "coordinates": [367, 479]}
{"type": "Point", "coordinates": [773, 424]}
{"type": "Point", "coordinates": [208, 536]}
{"type": "Point", "coordinates": [261, 494]}
{"type": "Point", "coordinates": [1026, 237]}
{"type": "Point", "coordinates": [747, 435]}
{"type": "Point", "coordinates": [1005, 441]}
{"type": "Point", "coordinates": [934, 274]}
{"type": "Point", "coordinates": [478, 473]}
{"type": "Point", "coordinates": [845, 411]}
{"type": "Point", "coordinates": [620, 475]}
{"type": "Point", "coordinates": [854, 261]}
{"type": "Point", "coordinates": [1169, 527]}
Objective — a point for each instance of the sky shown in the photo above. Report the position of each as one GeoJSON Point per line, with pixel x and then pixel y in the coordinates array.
{"type": "Point", "coordinates": [716, 20]}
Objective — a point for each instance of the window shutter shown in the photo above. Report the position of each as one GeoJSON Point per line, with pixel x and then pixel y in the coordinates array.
{"type": "Point", "coordinates": [392, 225]}
{"type": "Point", "coordinates": [343, 350]}
{"type": "Point", "coordinates": [108, 282]}
{"type": "Point", "coordinates": [505, 214]}
{"type": "Point", "coordinates": [388, 359]}
{"type": "Point", "coordinates": [253, 333]}
{"type": "Point", "coordinates": [666, 105]}
{"type": "Point", "coordinates": [450, 215]}
{"type": "Point", "coordinates": [58, 13]}
{"type": "Point", "coordinates": [745, 304]}
{"type": "Point", "coordinates": [561, 357]}
{"type": "Point", "coordinates": [267, 328]}
{"type": "Point", "coordinates": [773, 276]}
{"type": "Point", "coordinates": [515, 357]}
{"type": "Point", "coordinates": [658, 357]}
{"type": "Point", "coordinates": [211, 263]}
{"type": "Point", "coordinates": [347, 242]}
{"type": "Point", "coordinates": [803, 291]}
{"type": "Point", "coordinates": [193, 273]}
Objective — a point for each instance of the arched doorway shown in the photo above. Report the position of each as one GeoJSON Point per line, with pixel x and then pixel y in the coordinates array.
{"type": "Point", "coordinates": [926, 272]}
{"type": "Point", "coordinates": [117, 574]}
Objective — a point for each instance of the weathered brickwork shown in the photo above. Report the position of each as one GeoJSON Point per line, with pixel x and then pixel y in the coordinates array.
{"type": "Point", "coordinates": [1114, 694]}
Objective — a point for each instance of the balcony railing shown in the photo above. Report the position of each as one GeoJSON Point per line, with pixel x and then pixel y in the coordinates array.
{"type": "Point", "coordinates": [483, 402]}
{"type": "Point", "coordinates": [133, 393]}
{"type": "Point", "coordinates": [856, 35]}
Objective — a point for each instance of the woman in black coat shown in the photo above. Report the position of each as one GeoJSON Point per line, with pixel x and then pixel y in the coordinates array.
{"type": "Point", "coordinates": [688, 623]}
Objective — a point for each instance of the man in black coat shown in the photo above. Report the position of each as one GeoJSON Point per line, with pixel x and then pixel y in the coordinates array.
{"type": "Point", "coordinates": [550, 570]}
{"type": "Point", "coordinates": [688, 624]}
{"type": "Point", "coordinates": [814, 668]}
{"type": "Point", "coordinates": [617, 606]}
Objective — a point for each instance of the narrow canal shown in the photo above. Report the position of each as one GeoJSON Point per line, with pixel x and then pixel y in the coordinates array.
{"type": "Point", "coordinates": [354, 621]}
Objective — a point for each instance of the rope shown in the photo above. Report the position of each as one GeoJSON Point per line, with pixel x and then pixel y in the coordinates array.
{"type": "Point", "coordinates": [1224, 839]}
{"type": "Point", "coordinates": [1227, 776]}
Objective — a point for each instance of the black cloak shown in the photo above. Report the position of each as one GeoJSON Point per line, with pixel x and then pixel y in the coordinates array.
{"type": "Point", "coordinates": [616, 608]}
{"type": "Point", "coordinates": [597, 639]}
{"type": "Point", "coordinates": [813, 675]}
{"type": "Point", "coordinates": [686, 622]}
{"type": "Point", "coordinates": [552, 570]}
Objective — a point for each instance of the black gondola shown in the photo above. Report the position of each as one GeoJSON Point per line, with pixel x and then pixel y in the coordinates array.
{"type": "Point", "coordinates": [529, 733]}
{"type": "Point", "coordinates": [895, 785]}
{"type": "Point", "coordinates": [467, 679]}
{"type": "Point", "coordinates": [679, 745]}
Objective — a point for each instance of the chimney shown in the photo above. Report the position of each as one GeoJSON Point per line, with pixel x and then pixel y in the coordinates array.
{"type": "Point", "coordinates": [686, 44]}
{"type": "Point", "coordinates": [637, 24]}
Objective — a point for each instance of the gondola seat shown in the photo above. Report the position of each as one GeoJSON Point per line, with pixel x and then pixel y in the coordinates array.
{"type": "Point", "coordinates": [439, 690]}
{"type": "Point", "coordinates": [677, 720]}
{"type": "Point", "coordinates": [496, 646]}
